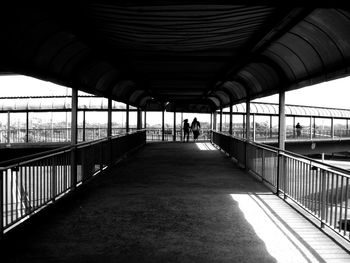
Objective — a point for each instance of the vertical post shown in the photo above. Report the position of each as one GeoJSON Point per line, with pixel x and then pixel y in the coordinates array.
{"type": "Point", "coordinates": [127, 118]}
{"type": "Point", "coordinates": [74, 135]}
{"type": "Point", "coordinates": [294, 126]}
{"type": "Point", "coordinates": [314, 125]}
{"type": "Point", "coordinates": [84, 125]}
{"type": "Point", "coordinates": [27, 126]}
{"type": "Point", "coordinates": [174, 138]}
{"type": "Point", "coordinates": [230, 129]}
{"type": "Point", "coordinates": [243, 126]}
{"type": "Point", "coordinates": [109, 119]}
{"type": "Point", "coordinates": [311, 128]}
{"type": "Point", "coordinates": [247, 121]}
{"type": "Point", "coordinates": [281, 138]}
{"type": "Point", "coordinates": [332, 128]}
{"type": "Point", "coordinates": [220, 127]}
{"type": "Point", "coordinates": [2, 174]}
{"type": "Point", "coordinates": [52, 133]}
{"type": "Point", "coordinates": [139, 119]}
{"type": "Point", "coordinates": [8, 127]}
{"type": "Point", "coordinates": [247, 134]}
{"type": "Point", "coordinates": [214, 120]}
{"type": "Point", "coordinates": [163, 127]}
{"type": "Point", "coordinates": [182, 120]}
{"type": "Point", "coordinates": [145, 117]}
{"type": "Point", "coordinates": [323, 196]}
{"type": "Point", "coordinates": [254, 129]}
{"type": "Point", "coordinates": [211, 121]}
{"type": "Point", "coordinates": [270, 132]}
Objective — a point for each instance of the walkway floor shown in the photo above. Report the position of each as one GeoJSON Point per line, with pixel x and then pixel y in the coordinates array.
{"type": "Point", "coordinates": [174, 202]}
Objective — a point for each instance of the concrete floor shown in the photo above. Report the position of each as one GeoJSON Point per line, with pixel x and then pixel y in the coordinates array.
{"type": "Point", "coordinates": [173, 202]}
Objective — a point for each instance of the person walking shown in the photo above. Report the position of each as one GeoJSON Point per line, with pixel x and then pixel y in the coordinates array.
{"type": "Point", "coordinates": [298, 128]}
{"type": "Point", "coordinates": [195, 126]}
{"type": "Point", "coordinates": [186, 129]}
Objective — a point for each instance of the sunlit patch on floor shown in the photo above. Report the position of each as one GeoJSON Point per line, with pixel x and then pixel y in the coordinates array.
{"type": "Point", "coordinates": [280, 242]}
{"type": "Point", "coordinates": [205, 146]}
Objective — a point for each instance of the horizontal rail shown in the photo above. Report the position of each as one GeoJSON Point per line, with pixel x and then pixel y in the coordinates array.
{"type": "Point", "coordinates": [319, 188]}
{"type": "Point", "coordinates": [27, 185]}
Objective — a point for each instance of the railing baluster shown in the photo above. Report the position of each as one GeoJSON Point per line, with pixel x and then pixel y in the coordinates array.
{"type": "Point", "coordinates": [346, 206]}
{"type": "Point", "coordinates": [336, 202]}
{"type": "Point", "coordinates": [2, 212]}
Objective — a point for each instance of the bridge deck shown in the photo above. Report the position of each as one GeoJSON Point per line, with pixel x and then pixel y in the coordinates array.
{"type": "Point", "coordinates": [174, 202]}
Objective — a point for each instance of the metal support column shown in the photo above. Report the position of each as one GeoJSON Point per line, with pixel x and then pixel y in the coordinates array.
{"type": "Point", "coordinates": [27, 126]}
{"type": "Point", "coordinates": [127, 118]}
{"type": "Point", "coordinates": [281, 138]}
{"type": "Point", "coordinates": [84, 125]}
{"type": "Point", "coordinates": [294, 126]}
{"type": "Point", "coordinates": [174, 137]}
{"type": "Point", "coordinates": [109, 119]}
{"type": "Point", "coordinates": [145, 117]}
{"type": "Point", "coordinates": [2, 204]}
{"type": "Point", "coordinates": [243, 126]}
{"type": "Point", "coordinates": [163, 127]}
{"type": "Point", "coordinates": [314, 127]}
{"type": "Point", "coordinates": [270, 133]}
{"type": "Point", "coordinates": [310, 128]}
{"type": "Point", "coordinates": [247, 121]}
{"type": "Point", "coordinates": [220, 127]}
{"type": "Point", "coordinates": [332, 128]}
{"type": "Point", "coordinates": [211, 121]}
{"type": "Point", "coordinates": [230, 129]}
{"type": "Point", "coordinates": [214, 120]}
{"type": "Point", "coordinates": [247, 134]}
{"type": "Point", "coordinates": [139, 119]}
{"type": "Point", "coordinates": [8, 127]}
{"type": "Point", "coordinates": [254, 128]}
{"type": "Point", "coordinates": [74, 137]}
{"type": "Point", "coordinates": [181, 127]}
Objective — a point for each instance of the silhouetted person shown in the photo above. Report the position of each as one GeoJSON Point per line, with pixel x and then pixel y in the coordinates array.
{"type": "Point", "coordinates": [298, 127]}
{"type": "Point", "coordinates": [186, 130]}
{"type": "Point", "coordinates": [195, 126]}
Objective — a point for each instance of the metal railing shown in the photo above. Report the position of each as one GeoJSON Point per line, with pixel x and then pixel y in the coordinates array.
{"type": "Point", "coordinates": [55, 135]}
{"type": "Point", "coordinates": [320, 189]}
{"type": "Point", "coordinates": [155, 134]}
{"type": "Point", "coordinates": [29, 184]}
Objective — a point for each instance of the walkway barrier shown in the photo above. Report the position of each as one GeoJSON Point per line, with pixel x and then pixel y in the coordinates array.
{"type": "Point", "coordinates": [320, 189]}
{"type": "Point", "coordinates": [29, 184]}
{"type": "Point", "coordinates": [155, 134]}
{"type": "Point", "coordinates": [52, 135]}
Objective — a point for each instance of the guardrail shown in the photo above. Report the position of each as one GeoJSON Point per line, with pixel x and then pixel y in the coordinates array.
{"type": "Point", "coordinates": [320, 189]}
{"type": "Point", "coordinates": [155, 134]}
{"type": "Point", "coordinates": [29, 184]}
{"type": "Point", "coordinates": [53, 135]}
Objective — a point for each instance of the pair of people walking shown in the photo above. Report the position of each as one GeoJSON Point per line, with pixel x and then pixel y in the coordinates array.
{"type": "Point", "coordinates": [195, 126]}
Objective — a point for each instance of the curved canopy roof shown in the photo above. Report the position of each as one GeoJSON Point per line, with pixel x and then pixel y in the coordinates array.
{"type": "Point", "coordinates": [261, 108]}
{"type": "Point", "coordinates": [198, 55]}
{"type": "Point", "coordinates": [90, 103]}
{"type": "Point", "coordinates": [56, 103]}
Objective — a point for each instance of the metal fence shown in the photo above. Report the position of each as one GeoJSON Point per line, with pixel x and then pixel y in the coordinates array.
{"type": "Point", "coordinates": [29, 184]}
{"type": "Point", "coordinates": [155, 134]}
{"type": "Point", "coordinates": [320, 189]}
{"type": "Point", "coordinates": [48, 135]}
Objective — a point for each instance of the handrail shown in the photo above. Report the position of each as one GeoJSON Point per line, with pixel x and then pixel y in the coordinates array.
{"type": "Point", "coordinates": [322, 190]}
{"type": "Point", "coordinates": [286, 152]}
{"type": "Point", "coordinates": [31, 183]}
{"type": "Point", "coordinates": [37, 156]}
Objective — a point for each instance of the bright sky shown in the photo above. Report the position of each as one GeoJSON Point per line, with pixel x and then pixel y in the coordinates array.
{"type": "Point", "coordinates": [334, 93]}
